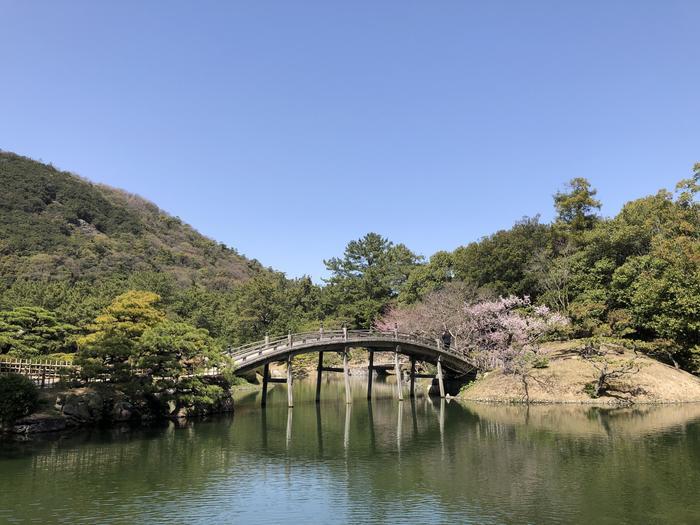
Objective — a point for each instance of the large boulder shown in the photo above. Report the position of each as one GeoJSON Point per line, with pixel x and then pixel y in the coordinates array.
{"type": "Point", "coordinates": [39, 423]}
{"type": "Point", "coordinates": [84, 407]}
{"type": "Point", "coordinates": [122, 410]}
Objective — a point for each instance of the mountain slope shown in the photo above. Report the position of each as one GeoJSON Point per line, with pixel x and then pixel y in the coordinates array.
{"type": "Point", "coordinates": [57, 226]}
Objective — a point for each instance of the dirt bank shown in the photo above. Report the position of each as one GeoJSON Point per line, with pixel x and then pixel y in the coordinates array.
{"type": "Point", "coordinates": [567, 375]}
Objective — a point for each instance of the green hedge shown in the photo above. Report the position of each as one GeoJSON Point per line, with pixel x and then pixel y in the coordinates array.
{"type": "Point", "coordinates": [18, 397]}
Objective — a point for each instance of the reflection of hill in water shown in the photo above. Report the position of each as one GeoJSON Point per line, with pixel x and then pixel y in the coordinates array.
{"type": "Point", "coordinates": [579, 420]}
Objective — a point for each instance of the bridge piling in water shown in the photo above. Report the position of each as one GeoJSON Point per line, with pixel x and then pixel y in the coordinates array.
{"type": "Point", "coordinates": [439, 378]}
{"type": "Point", "coordinates": [412, 389]}
{"type": "Point", "coordinates": [346, 374]}
{"type": "Point", "coordinates": [397, 371]}
{"type": "Point", "coordinates": [319, 373]}
{"type": "Point", "coordinates": [290, 395]}
{"type": "Point", "coordinates": [370, 371]}
{"type": "Point", "coordinates": [266, 377]}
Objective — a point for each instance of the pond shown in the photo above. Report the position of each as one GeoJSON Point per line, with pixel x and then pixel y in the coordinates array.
{"type": "Point", "coordinates": [420, 461]}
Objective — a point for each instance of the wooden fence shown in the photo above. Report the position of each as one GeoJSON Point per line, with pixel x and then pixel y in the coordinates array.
{"type": "Point", "coordinates": [42, 373]}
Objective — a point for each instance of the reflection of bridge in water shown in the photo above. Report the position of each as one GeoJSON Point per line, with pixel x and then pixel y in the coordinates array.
{"type": "Point", "coordinates": [438, 408]}
{"type": "Point", "coordinates": [448, 361]}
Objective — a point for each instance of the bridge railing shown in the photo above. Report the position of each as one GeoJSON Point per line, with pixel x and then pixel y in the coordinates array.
{"type": "Point", "coordinates": [352, 336]}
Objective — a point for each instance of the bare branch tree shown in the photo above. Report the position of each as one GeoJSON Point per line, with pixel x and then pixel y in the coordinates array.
{"type": "Point", "coordinates": [608, 369]}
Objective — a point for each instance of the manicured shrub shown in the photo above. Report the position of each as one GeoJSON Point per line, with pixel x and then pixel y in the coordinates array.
{"type": "Point", "coordinates": [18, 397]}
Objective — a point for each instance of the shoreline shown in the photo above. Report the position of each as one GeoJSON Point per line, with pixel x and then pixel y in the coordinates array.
{"type": "Point", "coordinates": [592, 402]}
{"type": "Point", "coordinates": [563, 382]}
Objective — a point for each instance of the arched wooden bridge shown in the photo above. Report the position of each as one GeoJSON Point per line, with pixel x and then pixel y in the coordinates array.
{"type": "Point", "coordinates": [417, 348]}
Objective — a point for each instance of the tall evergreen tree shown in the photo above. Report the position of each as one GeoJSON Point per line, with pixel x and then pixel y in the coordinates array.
{"type": "Point", "coordinates": [368, 276]}
{"type": "Point", "coordinates": [112, 344]}
{"type": "Point", "coordinates": [577, 206]}
{"type": "Point", "coordinates": [29, 331]}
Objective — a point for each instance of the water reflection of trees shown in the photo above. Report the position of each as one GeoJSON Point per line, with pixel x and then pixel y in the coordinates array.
{"type": "Point", "coordinates": [476, 462]}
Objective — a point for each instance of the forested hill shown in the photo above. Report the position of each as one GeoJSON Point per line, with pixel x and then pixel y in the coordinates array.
{"type": "Point", "coordinates": [69, 248]}
{"type": "Point", "coordinates": [57, 226]}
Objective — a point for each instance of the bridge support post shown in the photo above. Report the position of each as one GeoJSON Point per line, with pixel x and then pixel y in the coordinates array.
{"type": "Point", "coordinates": [397, 371]}
{"type": "Point", "coordinates": [439, 378]}
{"type": "Point", "coordinates": [290, 396]}
{"type": "Point", "coordinates": [346, 373]}
{"type": "Point", "coordinates": [266, 376]}
{"type": "Point", "coordinates": [412, 390]}
{"type": "Point", "coordinates": [319, 373]}
{"type": "Point", "coordinates": [370, 372]}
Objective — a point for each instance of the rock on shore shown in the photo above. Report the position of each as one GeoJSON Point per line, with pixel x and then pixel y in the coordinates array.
{"type": "Point", "coordinates": [106, 404]}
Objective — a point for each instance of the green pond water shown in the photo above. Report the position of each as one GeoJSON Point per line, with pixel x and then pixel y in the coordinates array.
{"type": "Point", "coordinates": [422, 461]}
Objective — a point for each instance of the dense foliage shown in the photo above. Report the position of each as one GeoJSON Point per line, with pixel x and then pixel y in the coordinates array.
{"type": "Point", "coordinates": [113, 342]}
{"type": "Point", "coordinates": [18, 397]}
{"type": "Point", "coordinates": [635, 276]}
{"type": "Point", "coordinates": [30, 331]}
{"type": "Point", "coordinates": [173, 355]}
{"type": "Point", "coordinates": [70, 250]}
{"type": "Point", "coordinates": [133, 343]}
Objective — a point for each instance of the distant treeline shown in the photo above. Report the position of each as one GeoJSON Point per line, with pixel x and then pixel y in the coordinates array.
{"type": "Point", "coordinates": [68, 248]}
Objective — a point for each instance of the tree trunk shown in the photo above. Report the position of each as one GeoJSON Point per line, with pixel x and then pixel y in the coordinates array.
{"type": "Point", "coordinates": [600, 385]}
{"type": "Point", "coordinates": [523, 378]}
{"type": "Point", "coordinates": [675, 363]}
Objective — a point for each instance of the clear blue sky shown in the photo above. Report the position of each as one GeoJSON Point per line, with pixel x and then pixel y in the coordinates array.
{"type": "Point", "coordinates": [286, 129]}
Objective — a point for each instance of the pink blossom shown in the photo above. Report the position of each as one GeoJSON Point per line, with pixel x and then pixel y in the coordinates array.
{"type": "Point", "coordinates": [491, 334]}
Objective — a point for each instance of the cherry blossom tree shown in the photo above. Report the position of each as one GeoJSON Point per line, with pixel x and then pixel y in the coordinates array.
{"type": "Point", "coordinates": [440, 310]}
{"type": "Point", "coordinates": [499, 333]}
